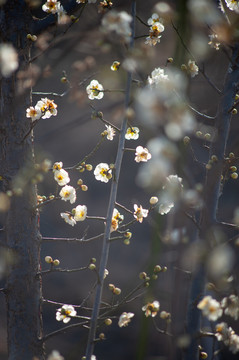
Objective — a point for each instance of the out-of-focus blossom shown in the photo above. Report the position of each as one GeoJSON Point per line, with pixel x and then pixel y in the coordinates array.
{"type": "Point", "coordinates": [231, 306]}
{"type": "Point", "coordinates": [118, 22]}
{"type": "Point", "coordinates": [55, 355]}
{"type": "Point", "coordinates": [233, 5]}
{"type": "Point", "coordinates": [151, 309]}
{"type": "Point", "coordinates": [192, 68]}
{"type": "Point", "coordinates": [125, 318]}
{"type": "Point", "coordinates": [157, 76]}
{"type": "Point", "coordinates": [211, 308]}
{"type": "Point", "coordinates": [154, 34]}
{"type": "Point", "coordinates": [8, 59]}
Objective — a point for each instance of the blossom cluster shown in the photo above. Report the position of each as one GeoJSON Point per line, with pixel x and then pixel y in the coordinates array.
{"type": "Point", "coordinates": [44, 109]}
{"type": "Point", "coordinates": [156, 28]}
{"type": "Point", "coordinates": [118, 22]}
{"type": "Point", "coordinates": [214, 309]}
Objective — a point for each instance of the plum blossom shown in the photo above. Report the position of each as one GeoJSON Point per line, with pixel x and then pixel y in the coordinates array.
{"type": "Point", "coordinates": [62, 177]}
{"type": "Point", "coordinates": [68, 193]}
{"type": "Point", "coordinates": [8, 59]}
{"type": "Point", "coordinates": [80, 213]}
{"type": "Point", "coordinates": [151, 309]}
{"type": "Point", "coordinates": [110, 132]}
{"type": "Point", "coordinates": [51, 6]}
{"type": "Point", "coordinates": [33, 113]}
{"type": "Point", "coordinates": [140, 213]}
{"type": "Point", "coordinates": [65, 313]}
{"type": "Point", "coordinates": [125, 318]}
{"type": "Point", "coordinates": [154, 34]}
{"type": "Point", "coordinates": [116, 219]}
{"type": "Point", "coordinates": [132, 133]}
{"type": "Point", "coordinates": [103, 172]}
{"type": "Point", "coordinates": [118, 22]}
{"type": "Point", "coordinates": [57, 166]}
{"type": "Point", "coordinates": [210, 307]}
{"type": "Point", "coordinates": [55, 355]}
{"type": "Point", "coordinates": [233, 5]}
{"type": "Point", "coordinates": [157, 76]}
{"type": "Point", "coordinates": [192, 68]}
{"type": "Point", "coordinates": [69, 218]}
{"type": "Point", "coordinates": [142, 154]}
{"type": "Point", "coordinates": [95, 90]}
{"type": "Point", "coordinates": [231, 306]}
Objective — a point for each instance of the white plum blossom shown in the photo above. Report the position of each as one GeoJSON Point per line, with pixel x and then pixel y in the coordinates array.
{"type": "Point", "coordinates": [51, 6]}
{"type": "Point", "coordinates": [153, 19]}
{"type": "Point", "coordinates": [151, 309]}
{"type": "Point", "coordinates": [140, 213]}
{"type": "Point", "coordinates": [103, 172]}
{"type": "Point", "coordinates": [33, 113]}
{"type": "Point", "coordinates": [211, 308]}
{"type": "Point", "coordinates": [80, 213]}
{"type": "Point", "coordinates": [57, 166]}
{"type": "Point", "coordinates": [65, 313]}
{"type": "Point", "coordinates": [62, 177]}
{"type": "Point", "coordinates": [214, 42]}
{"type": "Point", "coordinates": [157, 76]}
{"type": "Point", "coordinates": [233, 5]}
{"type": "Point", "coordinates": [95, 90]}
{"type": "Point", "coordinates": [154, 34]}
{"type": "Point", "coordinates": [116, 219]}
{"type": "Point", "coordinates": [125, 318]}
{"type": "Point", "coordinates": [69, 218]}
{"type": "Point", "coordinates": [223, 332]}
{"type": "Point", "coordinates": [165, 207]}
{"type": "Point", "coordinates": [118, 22]}
{"type": "Point", "coordinates": [132, 133]}
{"type": "Point", "coordinates": [8, 59]}
{"type": "Point", "coordinates": [110, 132]}
{"type": "Point", "coordinates": [68, 193]}
{"type": "Point", "coordinates": [47, 107]}
{"type": "Point", "coordinates": [142, 154]}
{"type": "Point", "coordinates": [231, 306]}
{"type": "Point", "coordinates": [234, 341]}
{"type": "Point", "coordinates": [55, 355]}
{"type": "Point", "coordinates": [192, 68]}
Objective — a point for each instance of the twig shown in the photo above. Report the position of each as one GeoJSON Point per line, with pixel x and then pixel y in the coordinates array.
{"type": "Point", "coordinates": [44, 238]}
{"type": "Point", "coordinates": [63, 330]}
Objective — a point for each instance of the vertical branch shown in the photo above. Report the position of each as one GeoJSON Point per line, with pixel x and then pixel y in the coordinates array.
{"type": "Point", "coordinates": [212, 192]}
{"type": "Point", "coordinates": [112, 200]}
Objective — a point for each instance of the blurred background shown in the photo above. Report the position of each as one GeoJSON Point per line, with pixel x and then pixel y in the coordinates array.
{"type": "Point", "coordinates": [80, 54]}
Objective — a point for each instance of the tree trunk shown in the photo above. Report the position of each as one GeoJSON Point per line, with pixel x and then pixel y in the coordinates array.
{"type": "Point", "coordinates": [23, 288]}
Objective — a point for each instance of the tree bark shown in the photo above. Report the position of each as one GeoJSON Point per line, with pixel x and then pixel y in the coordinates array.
{"type": "Point", "coordinates": [23, 287]}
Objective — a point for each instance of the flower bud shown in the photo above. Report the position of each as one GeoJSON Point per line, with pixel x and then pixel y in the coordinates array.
{"type": "Point", "coordinates": [233, 168]}
{"type": "Point", "coordinates": [56, 262]}
{"type": "Point", "coordinates": [234, 111]}
{"type": "Point", "coordinates": [199, 134]}
{"type": "Point", "coordinates": [89, 167]}
{"type": "Point", "coordinates": [93, 260]}
{"type": "Point", "coordinates": [154, 276]}
{"type": "Point", "coordinates": [108, 322]}
{"type": "Point", "coordinates": [153, 200]}
{"type": "Point", "coordinates": [128, 235]}
{"type": "Point", "coordinates": [164, 269]}
{"type": "Point", "coordinates": [92, 266]}
{"type": "Point", "coordinates": [142, 275]}
{"type": "Point", "coordinates": [234, 175]}
{"type": "Point", "coordinates": [203, 355]}
{"type": "Point", "coordinates": [186, 140]}
{"type": "Point", "coordinates": [231, 155]}
{"type": "Point", "coordinates": [207, 136]}
{"type": "Point", "coordinates": [111, 287]}
{"type": "Point", "coordinates": [117, 291]}
{"type": "Point", "coordinates": [80, 182]}
{"type": "Point", "coordinates": [183, 67]}
{"type": "Point", "coordinates": [101, 336]}
{"type": "Point", "coordinates": [157, 268]}
{"type": "Point", "coordinates": [126, 241]}
{"type": "Point", "coordinates": [63, 79]}
{"type": "Point", "coordinates": [170, 60]}
{"type": "Point", "coordinates": [84, 187]}
{"type": "Point", "coordinates": [48, 259]}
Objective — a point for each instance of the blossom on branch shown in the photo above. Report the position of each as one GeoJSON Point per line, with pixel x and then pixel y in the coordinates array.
{"type": "Point", "coordinates": [47, 107]}
{"type": "Point", "coordinates": [65, 313]}
{"type": "Point", "coordinates": [62, 177]}
{"type": "Point", "coordinates": [95, 90]}
{"type": "Point", "coordinates": [125, 318]}
{"type": "Point", "coordinates": [33, 113]}
{"type": "Point", "coordinates": [51, 6]}
{"type": "Point", "coordinates": [68, 193]}
{"type": "Point", "coordinates": [210, 307]}
{"type": "Point", "coordinates": [151, 309]}
{"type": "Point", "coordinates": [132, 133]}
{"type": "Point", "coordinates": [110, 132]}
{"type": "Point", "coordinates": [69, 218]}
{"type": "Point", "coordinates": [154, 34]}
{"type": "Point", "coordinates": [192, 68]}
{"type": "Point", "coordinates": [103, 172]}
{"type": "Point", "coordinates": [140, 213]}
{"type": "Point", "coordinates": [233, 5]}
{"type": "Point", "coordinates": [116, 219]}
{"type": "Point", "coordinates": [142, 154]}
{"type": "Point", "coordinates": [80, 213]}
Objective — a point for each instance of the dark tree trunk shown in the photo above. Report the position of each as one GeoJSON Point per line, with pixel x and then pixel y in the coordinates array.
{"type": "Point", "coordinates": [23, 288]}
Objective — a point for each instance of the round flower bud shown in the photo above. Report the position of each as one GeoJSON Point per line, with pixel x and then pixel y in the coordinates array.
{"type": "Point", "coordinates": [56, 262]}
{"type": "Point", "coordinates": [51, 197]}
{"type": "Point", "coordinates": [231, 155]}
{"type": "Point", "coordinates": [234, 175]}
{"type": "Point", "coordinates": [146, 284]}
{"type": "Point", "coordinates": [111, 287]}
{"type": "Point", "coordinates": [208, 166]}
{"type": "Point", "coordinates": [153, 200]}
{"type": "Point", "coordinates": [92, 266]}
{"type": "Point", "coordinates": [117, 291]}
{"type": "Point", "coordinates": [93, 260]}
{"type": "Point", "coordinates": [186, 140]}
{"type": "Point", "coordinates": [126, 241]}
{"type": "Point", "coordinates": [29, 36]}
{"type": "Point", "coordinates": [170, 60]}
{"type": "Point", "coordinates": [63, 79]}
{"type": "Point", "coordinates": [128, 235]}
{"type": "Point", "coordinates": [233, 168]}
{"type": "Point", "coordinates": [89, 167]}
{"type": "Point", "coordinates": [234, 111]}
{"type": "Point", "coordinates": [183, 67]}
{"type": "Point", "coordinates": [207, 136]}
{"type": "Point", "coordinates": [48, 259]}
{"type": "Point", "coordinates": [214, 158]}
{"type": "Point", "coordinates": [80, 182]}
{"type": "Point", "coordinates": [210, 286]}
{"type": "Point", "coordinates": [142, 275]}
{"type": "Point", "coordinates": [100, 114]}
{"type": "Point", "coordinates": [157, 268]}
{"type": "Point", "coordinates": [164, 315]}
{"type": "Point", "coordinates": [203, 355]}
{"type": "Point", "coordinates": [104, 133]}
{"type": "Point", "coordinates": [84, 187]}
{"type": "Point", "coordinates": [164, 269]}
{"type": "Point", "coordinates": [199, 134]}
{"type": "Point", "coordinates": [101, 336]}
{"type": "Point", "coordinates": [108, 322]}
{"type": "Point", "coordinates": [237, 97]}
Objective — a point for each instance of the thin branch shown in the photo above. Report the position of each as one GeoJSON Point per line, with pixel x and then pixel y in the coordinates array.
{"type": "Point", "coordinates": [62, 331]}
{"type": "Point", "coordinates": [124, 208]}
{"type": "Point", "coordinates": [50, 93]}
{"type": "Point", "coordinates": [113, 194]}
{"type": "Point", "coordinates": [44, 238]}
{"type": "Point", "coordinates": [54, 270]}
